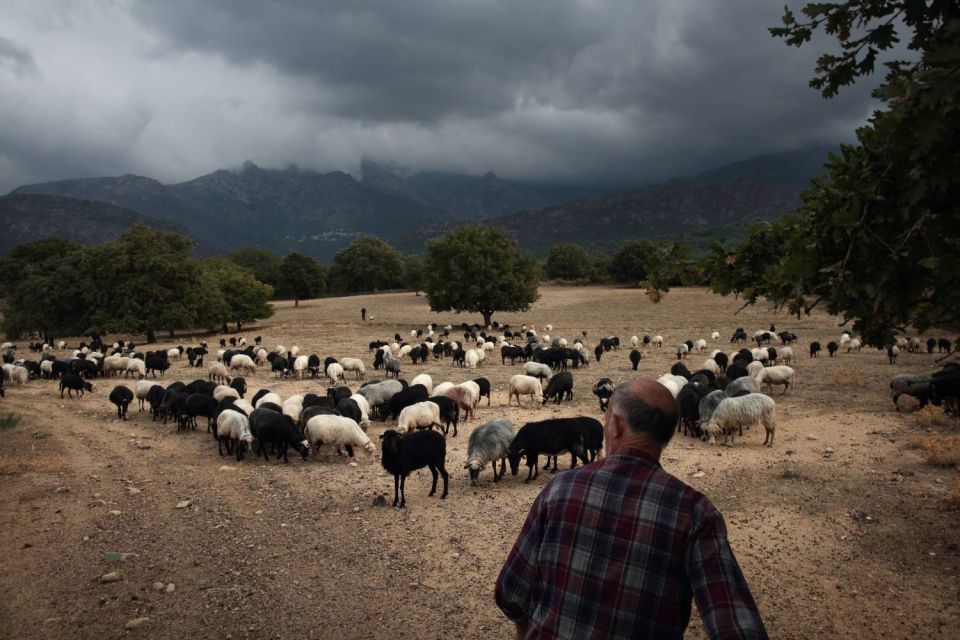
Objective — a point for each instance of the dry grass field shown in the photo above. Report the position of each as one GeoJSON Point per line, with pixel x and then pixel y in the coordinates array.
{"type": "Point", "coordinates": [844, 529]}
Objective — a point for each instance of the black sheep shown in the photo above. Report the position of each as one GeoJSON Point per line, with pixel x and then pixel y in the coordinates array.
{"type": "Point", "coordinates": [155, 398]}
{"type": "Point", "coordinates": [737, 369]}
{"type": "Point", "coordinates": [592, 440]}
{"type": "Point", "coordinates": [815, 349]}
{"type": "Point", "coordinates": [645, 341]}
{"type": "Point", "coordinates": [560, 387]}
{"type": "Point", "coordinates": [403, 399]}
{"type": "Point", "coordinates": [239, 385]}
{"type": "Point", "coordinates": [272, 427]}
{"type": "Point", "coordinates": [200, 404]}
{"type": "Point", "coordinates": [313, 400]}
{"type": "Point", "coordinates": [549, 437]}
{"type": "Point", "coordinates": [201, 386]}
{"type": "Point", "coordinates": [680, 369]}
{"type": "Point", "coordinates": [336, 394]}
{"type": "Point", "coordinates": [689, 402]}
{"type": "Point", "coordinates": [449, 412]}
{"type": "Point", "coordinates": [484, 385]}
{"type": "Point", "coordinates": [931, 345]}
{"type": "Point", "coordinates": [510, 352]}
{"type": "Point", "coordinates": [944, 345]}
{"type": "Point", "coordinates": [722, 361]}
{"type": "Point", "coordinates": [348, 408]}
{"type": "Point", "coordinates": [122, 397]}
{"type": "Point", "coordinates": [401, 455]}
{"type": "Point", "coordinates": [832, 348]}
{"type": "Point", "coordinates": [258, 395]}
{"type": "Point", "coordinates": [597, 352]}
{"type": "Point", "coordinates": [635, 358]}
{"type": "Point", "coordinates": [72, 382]}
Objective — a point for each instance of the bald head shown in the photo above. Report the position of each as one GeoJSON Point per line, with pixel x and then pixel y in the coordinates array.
{"type": "Point", "coordinates": [647, 407]}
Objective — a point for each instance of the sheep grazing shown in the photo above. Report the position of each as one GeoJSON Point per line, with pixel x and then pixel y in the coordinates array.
{"type": "Point", "coordinates": [471, 359]}
{"type": "Point", "coordinates": [711, 365]}
{"type": "Point", "coordinates": [559, 387]}
{"type": "Point", "coordinates": [233, 430]}
{"type": "Point", "coordinates": [904, 383]}
{"type": "Point", "coordinates": [944, 346]}
{"type": "Point", "coordinates": [778, 375]}
{"type": "Point", "coordinates": [699, 345]}
{"type": "Point", "coordinates": [19, 376]}
{"type": "Point", "coordinates": [355, 365]}
{"type": "Point", "coordinates": [754, 368]}
{"type": "Point", "coordinates": [741, 385]}
{"type": "Point", "coordinates": [270, 427]}
{"type": "Point", "coordinates": [223, 391]}
{"type": "Point", "coordinates": [425, 380]}
{"type": "Point", "coordinates": [892, 352]}
{"type": "Point", "coordinates": [521, 385]}
{"type": "Point", "coordinates": [488, 443]}
{"type": "Point", "coordinates": [337, 431]}
{"type": "Point", "coordinates": [854, 345]}
{"type": "Point", "coordinates": [484, 386]}
{"type": "Point", "coordinates": [300, 366]}
{"type": "Point", "coordinates": [293, 407]}
{"type": "Point", "coordinates": [400, 455]}
{"type": "Point", "coordinates": [121, 397]}
{"type": "Point", "coordinates": [71, 382]}
{"type": "Point", "coordinates": [464, 399]}
{"type": "Point", "coordinates": [335, 372]}
{"type": "Point", "coordinates": [635, 358]}
{"type": "Point", "coordinates": [715, 335]}
{"type": "Point", "coordinates": [634, 341]}
{"type": "Point", "coordinates": [603, 389]}
{"type": "Point", "coordinates": [785, 355]}
{"type": "Point", "coordinates": [537, 370]}
{"type": "Point", "coordinates": [136, 366]}
{"type": "Point", "coordinates": [268, 397]}
{"type": "Point", "coordinates": [421, 415]}
{"type": "Point", "coordinates": [832, 348]}
{"type": "Point", "coordinates": [392, 366]}
{"type": "Point", "coordinates": [243, 363]}
{"type": "Point", "coordinates": [682, 350]}
{"type": "Point", "coordinates": [737, 413]}
{"type": "Point", "coordinates": [142, 390]}
{"type": "Point", "coordinates": [709, 402]}
{"type": "Point", "coordinates": [218, 373]}
{"type": "Point", "coordinates": [550, 437]}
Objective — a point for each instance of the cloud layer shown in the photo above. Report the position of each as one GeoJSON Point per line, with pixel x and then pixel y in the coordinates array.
{"type": "Point", "coordinates": [587, 91]}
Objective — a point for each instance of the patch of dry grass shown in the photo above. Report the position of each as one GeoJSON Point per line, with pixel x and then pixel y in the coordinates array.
{"type": "Point", "coordinates": [953, 500]}
{"type": "Point", "coordinates": [942, 451]}
{"type": "Point", "coordinates": [847, 378]}
{"type": "Point", "coordinates": [931, 416]}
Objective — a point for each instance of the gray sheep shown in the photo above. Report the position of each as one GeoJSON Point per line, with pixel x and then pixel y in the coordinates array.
{"type": "Point", "coordinates": [488, 443]}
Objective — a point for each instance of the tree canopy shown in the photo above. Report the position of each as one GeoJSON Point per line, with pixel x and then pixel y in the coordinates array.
{"type": "Point", "coordinates": [480, 270]}
{"type": "Point", "coordinates": [142, 282]}
{"type": "Point", "coordinates": [876, 237]}
{"type": "Point", "coordinates": [414, 276]}
{"type": "Point", "coordinates": [303, 276]}
{"type": "Point", "coordinates": [368, 264]}
{"type": "Point", "coordinates": [569, 262]}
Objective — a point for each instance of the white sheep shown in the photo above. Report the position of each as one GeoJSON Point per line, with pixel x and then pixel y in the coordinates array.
{"type": "Point", "coordinates": [173, 354]}
{"type": "Point", "coordinates": [710, 365]}
{"type": "Point", "coordinates": [854, 345]}
{"type": "Point", "coordinates": [682, 350]}
{"type": "Point", "coordinates": [442, 388]}
{"type": "Point", "coordinates": [699, 345]}
{"type": "Point", "coordinates": [262, 357]}
{"type": "Point", "coordinates": [234, 426]}
{"type": "Point", "coordinates": [115, 364]}
{"type": "Point", "coordinates": [425, 380]}
{"type": "Point", "coordinates": [223, 391]}
{"type": "Point", "coordinates": [754, 368]}
{"type": "Point", "coordinates": [521, 385]}
{"type": "Point", "coordinates": [281, 351]}
{"type": "Point", "coordinates": [294, 351]}
{"type": "Point", "coordinates": [548, 327]}
{"type": "Point", "coordinates": [715, 335]}
{"type": "Point", "coordinates": [737, 413]}
{"type": "Point", "coordinates": [672, 382]}
{"type": "Point", "coordinates": [300, 366]}
{"type": "Point", "coordinates": [424, 415]}
{"type": "Point", "coordinates": [364, 410]}
{"type": "Point", "coordinates": [293, 407]}
{"type": "Point", "coordinates": [46, 368]}
{"type": "Point", "coordinates": [785, 355]}
{"type": "Point", "coordinates": [745, 383]}
{"type": "Point", "coordinates": [218, 373]}
{"type": "Point", "coordinates": [19, 376]}
{"type": "Point", "coordinates": [142, 389]}
{"type": "Point", "coordinates": [242, 405]}
{"type": "Point", "coordinates": [62, 345]}
{"type": "Point", "coordinates": [471, 359]}
{"type": "Point", "coordinates": [474, 391]}
{"type": "Point", "coordinates": [634, 341]}
{"type": "Point", "coordinates": [404, 351]}
{"type": "Point", "coordinates": [354, 364]}
{"type": "Point", "coordinates": [537, 370]}
{"type": "Point", "coordinates": [778, 375]}
{"type": "Point", "coordinates": [335, 371]}
{"type": "Point", "coordinates": [671, 386]}
{"type": "Point", "coordinates": [136, 366]}
{"type": "Point", "coordinates": [243, 363]}
{"type": "Point", "coordinates": [270, 397]}
{"type": "Point", "coordinates": [656, 341]}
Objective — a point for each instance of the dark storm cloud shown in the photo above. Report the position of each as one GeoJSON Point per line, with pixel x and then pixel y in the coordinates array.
{"type": "Point", "coordinates": [588, 90]}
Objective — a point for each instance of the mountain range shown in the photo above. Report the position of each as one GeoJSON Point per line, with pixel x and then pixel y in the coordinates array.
{"type": "Point", "coordinates": [320, 213]}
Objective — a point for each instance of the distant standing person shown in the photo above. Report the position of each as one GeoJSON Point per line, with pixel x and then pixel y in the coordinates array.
{"type": "Point", "coordinates": [363, 314]}
{"type": "Point", "coordinates": [619, 548]}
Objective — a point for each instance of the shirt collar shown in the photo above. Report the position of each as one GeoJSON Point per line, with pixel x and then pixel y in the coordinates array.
{"type": "Point", "coordinates": [635, 452]}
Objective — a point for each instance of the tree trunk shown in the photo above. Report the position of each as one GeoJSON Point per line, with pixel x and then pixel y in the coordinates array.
{"type": "Point", "coordinates": [151, 336]}
{"type": "Point", "coordinates": [224, 328]}
{"type": "Point", "coordinates": [486, 317]}
{"type": "Point", "coordinates": [296, 301]}
{"type": "Point", "coordinates": [171, 333]}
{"type": "Point", "coordinates": [239, 326]}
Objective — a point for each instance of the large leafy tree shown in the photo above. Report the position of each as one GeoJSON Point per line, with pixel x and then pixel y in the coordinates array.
{"type": "Point", "coordinates": [480, 270]}
{"type": "Point", "coordinates": [234, 295]}
{"type": "Point", "coordinates": [414, 275]}
{"type": "Point", "coordinates": [876, 238]}
{"type": "Point", "coordinates": [265, 265]}
{"type": "Point", "coordinates": [568, 262]}
{"type": "Point", "coordinates": [368, 264]}
{"type": "Point", "coordinates": [632, 261]}
{"type": "Point", "coordinates": [303, 276]}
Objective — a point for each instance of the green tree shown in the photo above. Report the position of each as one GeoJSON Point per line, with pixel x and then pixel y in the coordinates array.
{"type": "Point", "coordinates": [413, 273]}
{"type": "Point", "coordinates": [265, 265]}
{"type": "Point", "coordinates": [368, 264]}
{"type": "Point", "coordinates": [233, 295]}
{"type": "Point", "coordinates": [569, 262]}
{"type": "Point", "coordinates": [631, 263]}
{"type": "Point", "coordinates": [481, 270]}
{"type": "Point", "coordinates": [303, 276]}
{"type": "Point", "coordinates": [876, 237]}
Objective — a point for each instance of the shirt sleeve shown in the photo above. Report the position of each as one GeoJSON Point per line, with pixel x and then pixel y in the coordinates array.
{"type": "Point", "coordinates": [519, 573]}
{"type": "Point", "coordinates": [721, 592]}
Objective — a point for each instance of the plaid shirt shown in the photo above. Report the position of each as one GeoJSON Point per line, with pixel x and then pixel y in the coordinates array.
{"type": "Point", "coordinates": [618, 549]}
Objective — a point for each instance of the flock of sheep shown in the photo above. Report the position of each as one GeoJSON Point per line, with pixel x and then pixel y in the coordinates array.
{"type": "Point", "coordinates": [722, 397]}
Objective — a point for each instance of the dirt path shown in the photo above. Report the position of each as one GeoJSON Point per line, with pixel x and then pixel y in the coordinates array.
{"type": "Point", "coordinates": [857, 545]}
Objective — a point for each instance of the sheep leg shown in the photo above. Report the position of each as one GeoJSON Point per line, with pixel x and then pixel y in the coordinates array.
{"type": "Point", "coordinates": [435, 474]}
{"type": "Point", "coordinates": [349, 449]}
{"type": "Point", "coordinates": [396, 489]}
{"type": "Point", "coordinates": [403, 495]}
{"type": "Point", "coordinates": [446, 478]}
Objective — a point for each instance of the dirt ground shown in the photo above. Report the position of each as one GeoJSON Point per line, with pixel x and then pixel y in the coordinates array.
{"type": "Point", "coordinates": [858, 544]}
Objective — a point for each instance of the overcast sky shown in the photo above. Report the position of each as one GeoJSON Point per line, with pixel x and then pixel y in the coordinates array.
{"type": "Point", "coordinates": [582, 91]}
